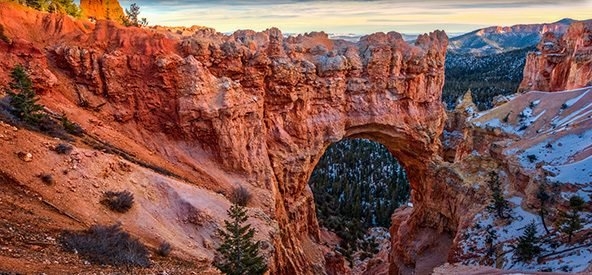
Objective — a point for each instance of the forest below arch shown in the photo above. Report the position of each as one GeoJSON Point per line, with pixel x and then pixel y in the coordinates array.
{"type": "Point", "coordinates": [357, 184]}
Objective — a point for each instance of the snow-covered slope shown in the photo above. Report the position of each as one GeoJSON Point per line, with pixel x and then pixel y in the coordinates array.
{"type": "Point", "coordinates": [546, 144]}
{"type": "Point", "coordinates": [554, 130]}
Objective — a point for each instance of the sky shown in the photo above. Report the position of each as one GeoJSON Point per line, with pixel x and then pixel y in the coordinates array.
{"type": "Point", "coordinates": [358, 16]}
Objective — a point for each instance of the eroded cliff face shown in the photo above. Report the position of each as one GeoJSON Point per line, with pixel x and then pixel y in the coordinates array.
{"type": "Point", "coordinates": [561, 62]}
{"type": "Point", "coordinates": [257, 109]}
{"type": "Point", "coordinates": [102, 9]}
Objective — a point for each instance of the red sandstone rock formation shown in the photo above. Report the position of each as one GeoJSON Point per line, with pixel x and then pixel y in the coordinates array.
{"type": "Point", "coordinates": [260, 109]}
{"type": "Point", "coordinates": [102, 9]}
{"type": "Point", "coordinates": [561, 63]}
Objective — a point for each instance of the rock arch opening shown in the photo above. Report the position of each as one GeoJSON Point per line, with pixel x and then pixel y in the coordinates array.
{"type": "Point", "coordinates": [357, 184]}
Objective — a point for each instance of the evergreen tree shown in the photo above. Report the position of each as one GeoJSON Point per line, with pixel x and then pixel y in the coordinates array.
{"type": "Point", "coordinates": [131, 17]}
{"type": "Point", "coordinates": [528, 247]}
{"type": "Point", "coordinates": [571, 221]}
{"type": "Point", "coordinates": [23, 98]}
{"type": "Point", "coordinates": [62, 6]}
{"type": "Point", "coordinates": [498, 203]}
{"type": "Point", "coordinates": [543, 198]}
{"type": "Point", "coordinates": [357, 184]}
{"type": "Point", "coordinates": [238, 253]}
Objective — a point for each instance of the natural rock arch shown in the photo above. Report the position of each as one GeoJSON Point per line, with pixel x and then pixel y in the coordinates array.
{"type": "Point", "coordinates": [263, 106]}
{"type": "Point", "coordinates": [266, 107]}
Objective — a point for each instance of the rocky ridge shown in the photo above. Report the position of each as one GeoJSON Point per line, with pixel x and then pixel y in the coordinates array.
{"type": "Point", "coordinates": [253, 108]}
{"type": "Point", "coordinates": [498, 39]}
{"type": "Point", "coordinates": [562, 62]}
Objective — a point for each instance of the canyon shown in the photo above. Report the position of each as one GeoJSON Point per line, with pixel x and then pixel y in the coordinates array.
{"type": "Point", "coordinates": [191, 114]}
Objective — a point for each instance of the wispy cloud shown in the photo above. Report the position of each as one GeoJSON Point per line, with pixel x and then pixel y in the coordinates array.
{"type": "Point", "coordinates": [359, 16]}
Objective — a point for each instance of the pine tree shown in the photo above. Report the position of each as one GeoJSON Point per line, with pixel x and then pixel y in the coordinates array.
{"type": "Point", "coordinates": [22, 97]}
{"type": "Point", "coordinates": [238, 253]}
{"type": "Point", "coordinates": [528, 247]}
{"type": "Point", "coordinates": [543, 197]}
{"type": "Point", "coordinates": [571, 221]}
{"type": "Point", "coordinates": [498, 202]}
{"type": "Point", "coordinates": [62, 6]}
{"type": "Point", "coordinates": [131, 17]}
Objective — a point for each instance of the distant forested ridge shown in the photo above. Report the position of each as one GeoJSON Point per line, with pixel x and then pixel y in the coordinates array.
{"type": "Point", "coordinates": [487, 76]}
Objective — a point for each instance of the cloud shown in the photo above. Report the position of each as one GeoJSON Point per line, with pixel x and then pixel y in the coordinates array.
{"type": "Point", "coordinates": [357, 15]}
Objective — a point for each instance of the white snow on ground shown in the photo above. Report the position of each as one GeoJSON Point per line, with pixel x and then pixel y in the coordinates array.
{"type": "Point", "coordinates": [561, 144]}
{"type": "Point", "coordinates": [571, 118]}
{"type": "Point", "coordinates": [556, 255]}
{"type": "Point", "coordinates": [579, 172]}
{"type": "Point", "coordinates": [576, 99]}
{"type": "Point", "coordinates": [557, 153]}
{"type": "Point", "coordinates": [496, 123]}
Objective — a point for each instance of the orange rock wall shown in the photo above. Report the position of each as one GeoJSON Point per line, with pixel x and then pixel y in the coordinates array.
{"type": "Point", "coordinates": [102, 9]}
{"type": "Point", "coordinates": [561, 63]}
{"type": "Point", "coordinates": [264, 107]}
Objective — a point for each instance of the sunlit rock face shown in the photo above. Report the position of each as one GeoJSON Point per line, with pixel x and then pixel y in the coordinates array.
{"type": "Point", "coordinates": [262, 108]}
{"type": "Point", "coordinates": [561, 62]}
{"type": "Point", "coordinates": [102, 9]}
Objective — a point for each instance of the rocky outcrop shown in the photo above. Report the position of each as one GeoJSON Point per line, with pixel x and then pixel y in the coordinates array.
{"type": "Point", "coordinates": [259, 109]}
{"type": "Point", "coordinates": [102, 9]}
{"type": "Point", "coordinates": [561, 62]}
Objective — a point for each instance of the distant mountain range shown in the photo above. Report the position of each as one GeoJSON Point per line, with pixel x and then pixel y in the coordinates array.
{"type": "Point", "coordinates": [496, 39]}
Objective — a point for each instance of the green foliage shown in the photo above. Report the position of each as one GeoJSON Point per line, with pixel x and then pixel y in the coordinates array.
{"type": "Point", "coordinates": [58, 6]}
{"type": "Point", "coordinates": [238, 253]}
{"type": "Point", "coordinates": [528, 244]}
{"type": "Point", "coordinates": [131, 17]}
{"type": "Point", "coordinates": [498, 203]}
{"type": "Point", "coordinates": [71, 127]}
{"type": "Point", "coordinates": [357, 184]}
{"type": "Point", "coordinates": [571, 221]}
{"type": "Point", "coordinates": [23, 98]}
{"type": "Point", "coordinates": [486, 76]}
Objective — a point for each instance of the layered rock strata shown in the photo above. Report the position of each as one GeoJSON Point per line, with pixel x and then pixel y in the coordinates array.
{"type": "Point", "coordinates": [261, 108]}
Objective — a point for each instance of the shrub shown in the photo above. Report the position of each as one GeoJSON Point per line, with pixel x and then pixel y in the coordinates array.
{"type": "Point", "coordinates": [71, 127]}
{"type": "Point", "coordinates": [564, 106]}
{"type": "Point", "coordinates": [52, 128]}
{"type": "Point", "coordinates": [63, 149]}
{"type": "Point", "coordinates": [120, 201]}
{"type": "Point", "coordinates": [241, 196]}
{"type": "Point", "coordinates": [107, 245]}
{"type": "Point", "coordinates": [164, 249]}
{"type": "Point", "coordinates": [47, 178]}
{"type": "Point", "coordinates": [532, 158]}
